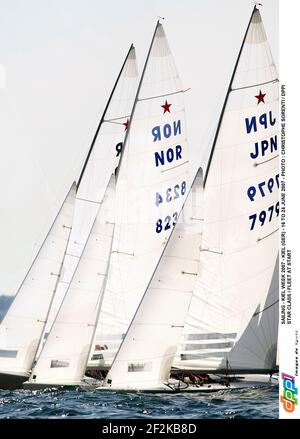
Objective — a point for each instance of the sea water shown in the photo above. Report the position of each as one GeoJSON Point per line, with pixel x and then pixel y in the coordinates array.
{"type": "Point", "coordinates": [254, 403]}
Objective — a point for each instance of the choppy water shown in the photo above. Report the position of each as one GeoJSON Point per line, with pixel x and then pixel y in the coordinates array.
{"type": "Point", "coordinates": [247, 403]}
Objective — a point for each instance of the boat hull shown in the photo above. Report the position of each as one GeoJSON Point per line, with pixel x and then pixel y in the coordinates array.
{"type": "Point", "coordinates": [9, 381]}
{"type": "Point", "coordinates": [236, 383]}
{"type": "Point", "coordinates": [86, 384]}
{"type": "Point", "coordinates": [233, 383]}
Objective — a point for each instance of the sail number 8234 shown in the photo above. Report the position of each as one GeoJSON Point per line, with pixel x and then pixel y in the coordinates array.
{"type": "Point", "coordinates": [171, 194]}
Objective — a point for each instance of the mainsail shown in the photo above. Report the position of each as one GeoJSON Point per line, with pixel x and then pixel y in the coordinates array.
{"type": "Point", "coordinates": [152, 184]}
{"type": "Point", "coordinates": [101, 161]}
{"type": "Point", "coordinates": [146, 355]}
{"type": "Point", "coordinates": [256, 350]}
{"type": "Point", "coordinates": [65, 352]}
{"type": "Point", "coordinates": [240, 229]}
{"type": "Point", "coordinates": [22, 327]}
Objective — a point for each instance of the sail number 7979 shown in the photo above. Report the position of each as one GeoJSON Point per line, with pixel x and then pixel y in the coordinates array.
{"type": "Point", "coordinates": [263, 215]}
{"type": "Point", "coordinates": [263, 187]}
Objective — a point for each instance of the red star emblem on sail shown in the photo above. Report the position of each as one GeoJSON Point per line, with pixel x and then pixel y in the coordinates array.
{"type": "Point", "coordinates": [166, 107]}
{"type": "Point", "coordinates": [126, 124]}
{"type": "Point", "coordinates": [260, 97]}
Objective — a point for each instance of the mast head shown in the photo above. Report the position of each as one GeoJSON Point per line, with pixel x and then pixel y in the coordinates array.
{"type": "Point", "coordinates": [131, 53]}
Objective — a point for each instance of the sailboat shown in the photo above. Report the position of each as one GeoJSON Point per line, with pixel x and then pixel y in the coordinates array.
{"type": "Point", "coordinates": [145, 357]}
{"type": "Point", "coordinates": [101, 161]}
{"type": "Point", "coordinates": [235, 294]}
{"type": "Point", "coordinates": [167, 293]}
{"type": "Point", "coordinates": [152, 179]}
{"type": "Point", "coordinates": [22, 328]}
{"type": "Point", "coordinates": [63, 358]}
{"type": "Point", "coordinates": [232, 324]}
{"type": "Point", "coordinates": [152, 184]}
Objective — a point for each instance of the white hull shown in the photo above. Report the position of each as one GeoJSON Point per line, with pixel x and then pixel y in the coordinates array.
{"type": "Point", "coordinates": [224, 384]}
{"type": "Point", "coordinates": [87, 383]}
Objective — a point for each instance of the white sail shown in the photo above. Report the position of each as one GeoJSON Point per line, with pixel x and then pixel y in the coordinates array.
{"type": "Point", "coordinates": [23, 325]}
{"type": "Point", "coordinates": [89, 222]}
{"type": "Point", "coordinates": [241, 209]}
{"type": "Point", "coordinates": [151, 187]}
{"type": "Point", "coordinates": [64, 356]}
{"type": "Point", "coordinates": [101, 162]}
{"type": "Point", "coordinates": [256, 350]}
{"type": "Point", "coordinates": [146, 355]}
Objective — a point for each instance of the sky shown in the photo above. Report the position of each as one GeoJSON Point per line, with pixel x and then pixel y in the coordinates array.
{"type": "Point", "coordinates": [58, 62]}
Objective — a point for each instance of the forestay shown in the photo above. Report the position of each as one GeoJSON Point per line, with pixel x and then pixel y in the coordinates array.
{"type": "Point", "coordinates": [240, 230]}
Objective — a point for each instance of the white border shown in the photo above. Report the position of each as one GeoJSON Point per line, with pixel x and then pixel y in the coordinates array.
{"type": "Point", "coordinates": [290, 76]}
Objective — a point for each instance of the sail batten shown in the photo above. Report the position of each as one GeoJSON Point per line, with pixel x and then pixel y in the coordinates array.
{"type": "Point", "coordinates": [273, 81]}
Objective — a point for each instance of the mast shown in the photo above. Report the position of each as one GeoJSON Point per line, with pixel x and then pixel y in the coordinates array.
{"type": "Point", "coordinates": [102, 118]}
{"type": "Point", "coordinates": [136, 98]}
{"type": "Point", "coordinates": [226, 99]}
